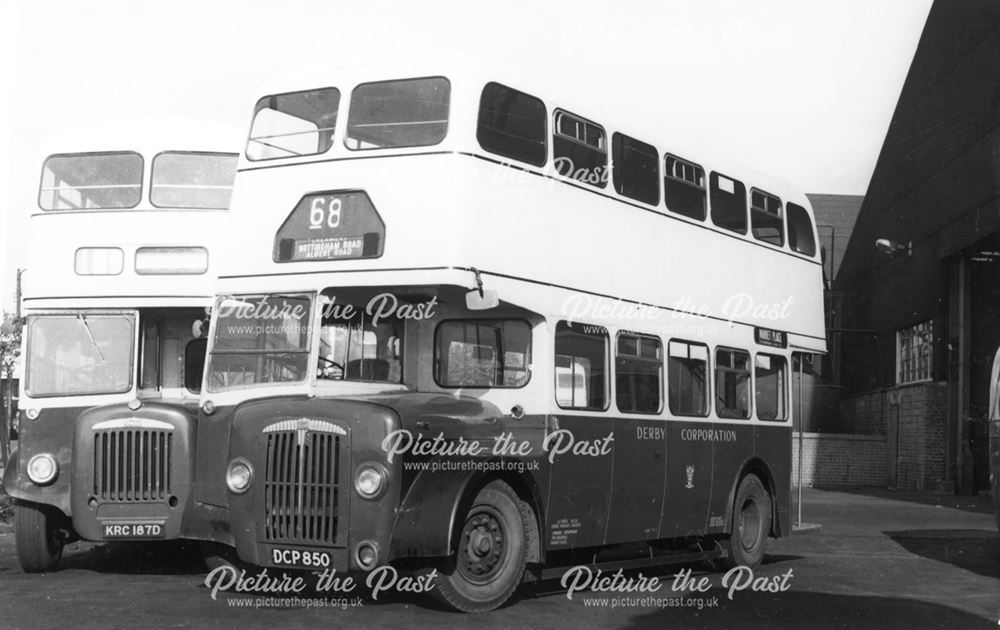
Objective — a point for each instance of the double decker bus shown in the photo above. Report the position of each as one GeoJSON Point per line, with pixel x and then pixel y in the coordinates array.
{"type": "Point", "coordinates": [121, 270]}
{"type": "Point", "coordinates": [483, 334]}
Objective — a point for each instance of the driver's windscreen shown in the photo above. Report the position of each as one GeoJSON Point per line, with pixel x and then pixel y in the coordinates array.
{"type": "Point", "coordinates": [357, 344]}
{"type": "Point", "coordinates": [79, 354]}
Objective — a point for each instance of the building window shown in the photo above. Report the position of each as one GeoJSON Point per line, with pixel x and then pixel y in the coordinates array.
{"type": "Point", "coordinates": [684, 187]}
{"type": "Point", "coordinates": [638, 374]}
{"type": "Point", "coordinates": [914, 353]}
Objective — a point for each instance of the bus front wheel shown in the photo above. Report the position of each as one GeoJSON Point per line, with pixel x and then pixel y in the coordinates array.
{"type": "Point", "coordinates": [39, 539]}
{"type": "Point", "coordinates": [491, 556]}
{"type": "Point", "coordinates": [751, 524]}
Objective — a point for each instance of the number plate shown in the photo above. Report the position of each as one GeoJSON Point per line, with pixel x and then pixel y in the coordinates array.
{"type": "Point", "coordinates": [300, 558]}
{"type": "Point", "coordinates": [132, 531]}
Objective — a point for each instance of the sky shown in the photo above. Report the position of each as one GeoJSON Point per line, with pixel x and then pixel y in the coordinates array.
{"type": "Point", "coordinates": [802, 90]}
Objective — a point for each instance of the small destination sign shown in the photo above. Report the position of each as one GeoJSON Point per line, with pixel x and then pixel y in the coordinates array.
{"type": "Point", "coordinates": [336, 225]}
{"type": "Point", "coordinates": [773, 338]}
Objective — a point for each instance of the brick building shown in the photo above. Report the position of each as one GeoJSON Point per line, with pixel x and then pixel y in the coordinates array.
{"type": "Point", "coordinates": [918, 316]}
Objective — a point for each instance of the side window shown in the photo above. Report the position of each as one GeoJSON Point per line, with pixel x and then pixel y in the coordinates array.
{"type": "Point", "coordinates": [766, 221]}
{"type": "Point", "coordinates": [289, 125]}
{"type": "Point", "coordinates": [769, 380]}
{"type": "Point", "coordinates": [194, 363]}
{"type": "Point", "coordinates": [638, 374]}
{"type": "Point", "coordinates": [684, 187]}
{"type": "Point", "coordinates": [581, 364]}
{"type": "Point", "coordinates": [482, 353]}
{"type": "Point", "coordinates": [732, 383]}
{"type": "Point", "coordinates": [395, 114]}
{"type": "Point", "coordinates": [635, 169]}
{"type": "Point", "coordinates": [800, 230]}
{"type": "Point", "coordinates": [580, 150]}
{"type": "Point", "coordinates": [687, 378]}
{"type": "Point", "coordinates": [729, 203]}
{"type": "Point", "coordinates": [512, 124]}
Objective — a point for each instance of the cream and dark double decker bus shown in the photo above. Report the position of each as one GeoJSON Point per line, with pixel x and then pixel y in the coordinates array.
{"type": "Point", "coordinates": [474, 330]}
{"type": "Point", "coordinates": [120, 276]}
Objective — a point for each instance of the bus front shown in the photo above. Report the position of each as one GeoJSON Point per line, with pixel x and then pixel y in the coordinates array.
{"type": "Point", "coordinates": [119, 279]}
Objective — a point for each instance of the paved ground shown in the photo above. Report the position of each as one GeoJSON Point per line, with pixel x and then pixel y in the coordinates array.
{"type": "Point", "coordinates": [881, 560]}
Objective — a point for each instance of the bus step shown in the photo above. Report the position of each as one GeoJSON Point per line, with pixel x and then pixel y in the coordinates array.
{"type": "Point", "coordinates": [638, 563]}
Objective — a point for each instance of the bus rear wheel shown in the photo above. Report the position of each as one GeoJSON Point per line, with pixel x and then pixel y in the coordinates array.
{"type": "Point", "coordinates": [491, 556]}
{"type": "Point", "coordinates": [39, 539]}
{"type": "Point", "coordinates": [751, 524]}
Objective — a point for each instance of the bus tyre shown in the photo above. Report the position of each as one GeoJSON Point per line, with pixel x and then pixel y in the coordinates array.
{"type": "Point", "coordinates": [490, 560]}
{"type": "Point", "coordinates": [751, 524]}
{"type": "Point", "coordinates": [38, 538]}
{"type": "Point", "coordinates": [216, 555]}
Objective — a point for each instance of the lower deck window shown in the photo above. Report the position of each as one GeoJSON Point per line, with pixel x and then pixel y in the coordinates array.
{"type": "Point", "coordinates": [732, 383]}
{"type": "Point", "coordinates": [482, 353]}
{"type": "Point", "coordinates": [687, 370]}
{"type": "Point", "coordinates": [769, 377]}
{"type": "Point", "coordinates": [581, 366]}
{"type": "Point", "coordinates": [638, 374]}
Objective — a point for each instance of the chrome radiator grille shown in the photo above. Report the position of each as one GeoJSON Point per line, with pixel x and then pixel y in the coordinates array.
{"type": "Point", "coordinates": [132, 465]}
{"type": "Point", "coordinates": [302, 487]}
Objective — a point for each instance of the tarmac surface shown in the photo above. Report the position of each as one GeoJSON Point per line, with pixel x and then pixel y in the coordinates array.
{"type": "Point", "coordinates": [881, 559]}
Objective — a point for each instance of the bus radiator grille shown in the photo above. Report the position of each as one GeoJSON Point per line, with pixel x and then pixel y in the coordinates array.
{"type": "Point", "coordinates": [302, 487]}
{"type": "Point", "coordinates": [132, 465]}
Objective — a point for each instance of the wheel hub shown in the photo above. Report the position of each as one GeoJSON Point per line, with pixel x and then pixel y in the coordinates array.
{"type": "Point", "coordinates": [483, 545]}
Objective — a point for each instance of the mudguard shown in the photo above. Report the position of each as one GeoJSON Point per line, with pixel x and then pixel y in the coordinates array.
{"type": "Point", "coordinates": [426, 520]}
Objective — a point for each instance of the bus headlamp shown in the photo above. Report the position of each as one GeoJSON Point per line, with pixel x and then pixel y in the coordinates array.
{"type": "Point", "coordinates": [370, 481]}
{"type": "Point", "coordinates": [239, 476]}
{"type": "Point", "coordinates": [42, 469]}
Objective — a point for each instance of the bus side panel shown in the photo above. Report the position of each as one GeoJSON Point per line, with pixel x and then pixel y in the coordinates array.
{"type": "Point", "coordinates": [640, 456]}
{"type": "Point", "coordinates": [735, 446]}
{"type": "Point", "coordinates": [774, 447]}
{"type": "Point", "coordinates": [689, 479]}
{"type": "Point", "coordinates": [580, 481]}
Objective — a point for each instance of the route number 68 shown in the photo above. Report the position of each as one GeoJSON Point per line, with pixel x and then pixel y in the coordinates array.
{"type": "Point", "coordinates": [325, 212]}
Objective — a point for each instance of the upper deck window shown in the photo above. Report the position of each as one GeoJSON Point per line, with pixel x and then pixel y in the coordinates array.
{"type": "Point", "coordinates": [293, 124]}
{"type": "Point", "coordinates": [192, 180]}
{"type": "Point", "coordinates": [635, 169]}
{"type": "Point", "coordinates": [512, 124]}
{"type": "Point", "coordinates": [85, 181]}
{"type": "Point", "coordinates": [800, 230]}
{"type": "Point", "coordinates": [729, 203]}
{"type": "Point", "coordinates": [684, 187]}
{"type": "Point", "coordinates": [580, 150]}
{"type": "Point", "coordinates": [395, 114]}
{"type": "Point", "coordinates": [766, 221]}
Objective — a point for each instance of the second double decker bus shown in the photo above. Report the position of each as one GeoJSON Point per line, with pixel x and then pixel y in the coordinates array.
{"type": "Point", "coordinates": [478, 332]}
{"type": "Point", "coordinates": [121, 271]}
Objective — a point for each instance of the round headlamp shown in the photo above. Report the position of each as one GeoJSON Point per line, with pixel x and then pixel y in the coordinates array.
{"type": "Point", "coordinates": [42, 469]}
{"type": "Point", "coordinates": [370, 481]}
{"type": "Point", "coordinates": [239, 476]}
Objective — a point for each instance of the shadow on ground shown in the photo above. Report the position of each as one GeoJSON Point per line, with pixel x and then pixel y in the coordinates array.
{"type": "Point", "coordinates": [792, 609]}
{"type": "Point", "coordinates": [974, 550]}
{"type": "Point", "coordinates": [967, 503]}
